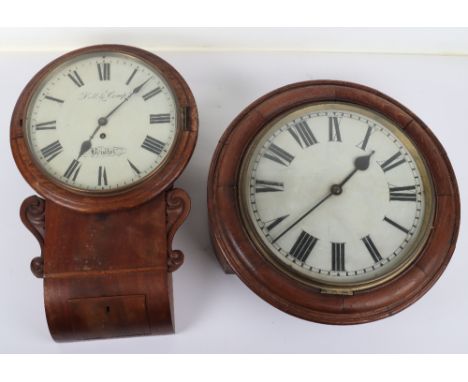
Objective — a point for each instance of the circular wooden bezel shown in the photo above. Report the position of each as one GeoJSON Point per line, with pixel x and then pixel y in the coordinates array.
{"type": "Point", "coordinates": [236, 250]}
{"type": "Point", "coordinates": [141, 192]}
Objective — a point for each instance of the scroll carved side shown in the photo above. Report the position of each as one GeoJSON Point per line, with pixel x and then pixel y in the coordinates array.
{"type": "Point", "coordinates": [177, 210]}
{"type": "Point", "coordinates": [32, 214]}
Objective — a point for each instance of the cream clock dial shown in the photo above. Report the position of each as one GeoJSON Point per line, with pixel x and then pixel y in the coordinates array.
{"type": "Point", "coordinates": [102, 122]}
{"type": "Point", "coordinates": [337, 194]}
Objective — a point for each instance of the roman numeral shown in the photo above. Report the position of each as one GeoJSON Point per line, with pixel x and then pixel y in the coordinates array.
{"type": "Point", "coordinates": [54, 99]}
{"type": "Point", "coordinates": [278, 155]}
{"type": "Point", "coordinates": [396, 225]}
{"type": "Point", "coordinates": [102, 176]}
{"type": "Point", "coordinates": [397, 195]}
{"type": "Point", "coordinates": [104, 71]}
{"type": "Point", "coordinates": [334, 134]}
{"type": "Point", "coordinates": [391, 162]}
{"type": "Point", "coordinates": [338, 257]}
{"type": "Point", "coordinates": [268, 186]}
{"type": "Point", "coordinates": [51, 151]}
{"type": "Point", "coordinates": [160, 118]}
{"type": "Point", "coordinates": [51, 125]}
{"type": "Point", "coordinates": [153, 145]}
{"type": "Point", "coordinates": [75, 77]}
{"type": "Point", "coordinates": [131, 77]}
{"type": "Point", "coordinates": [134, 168]}
{"type": "Point", "coordinates": [73, 170]}
{"type": "Point", "coordinates": [302, 134]}
{"type": "Point", "coordinates": [364, 143]}
{"type": "Point", "coordinates": [303, 246]}
{"type": "Point", "coordinates": [273, 223]}
{"type": "Point", "coordinates": [372, 248]}
{"type": "Point", "coordinates": [151, 93]}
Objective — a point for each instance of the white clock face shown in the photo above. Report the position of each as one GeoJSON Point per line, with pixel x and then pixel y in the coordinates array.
{"type": "Point", "coordinates": [336, 193]}
{"type": "Point", "coordinates": [102, 122]}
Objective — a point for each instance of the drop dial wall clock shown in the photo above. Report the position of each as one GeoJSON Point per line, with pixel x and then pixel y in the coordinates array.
{"type": "Point", "coordinates": [101, 134]}
{"type": "Point", "coordinates": [343, 207]}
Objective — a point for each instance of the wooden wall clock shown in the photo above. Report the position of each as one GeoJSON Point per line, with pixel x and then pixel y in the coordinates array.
{"type": "Point", "coordinates": [333, 202]}
{"type": "Point", "coordinates": [101, 134]}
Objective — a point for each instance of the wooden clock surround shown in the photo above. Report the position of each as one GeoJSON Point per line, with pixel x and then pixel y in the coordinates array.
{"type": "Point", "coordinates": [237, 252]}
{"type": "Point", "coordinates": [107, 260]}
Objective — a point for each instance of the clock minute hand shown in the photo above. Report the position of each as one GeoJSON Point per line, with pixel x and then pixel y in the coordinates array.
{"type": "Point", "coordinates": [360, 164]}
{"type": "Point", "coordinates": [86, 145]}
{"type": "Point", "coordinates": [302, 217]}
{"type": "Point", "coordinates": [135, 91]}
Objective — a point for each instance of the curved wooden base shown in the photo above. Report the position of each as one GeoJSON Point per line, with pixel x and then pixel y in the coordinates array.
{"type": "Point", "coordinates": [108, 275]}
{"type": "Point", "coordinates": [112, 304]}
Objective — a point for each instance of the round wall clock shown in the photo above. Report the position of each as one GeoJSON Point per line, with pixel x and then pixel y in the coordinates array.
{"type": "Point", "coordinates": [333, 202]}
{"type": "Point", "coordinates": [101, 134]}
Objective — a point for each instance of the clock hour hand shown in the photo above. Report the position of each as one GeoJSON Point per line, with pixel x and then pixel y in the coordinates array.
{"type": "Point", "coordinates": [360, 164]}
{"type": "Point", "coordinates": [86, 145]}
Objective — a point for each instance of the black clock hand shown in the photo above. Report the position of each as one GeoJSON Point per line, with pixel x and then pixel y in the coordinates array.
{"type": "Point", "coordinates": [360, 164]}
{"type": "Point", "coordinates": [302, 217]}
{"type": "Point", "coordinates": [86, 145]}
{"type": "Point", "coordinates": [135, 91]}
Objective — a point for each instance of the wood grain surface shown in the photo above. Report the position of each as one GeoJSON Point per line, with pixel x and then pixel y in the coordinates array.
{"type": "Point", "coordinates": [238, 254]}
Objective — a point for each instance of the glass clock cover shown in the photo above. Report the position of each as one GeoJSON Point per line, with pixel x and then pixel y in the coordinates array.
{"type": "Point", "coordinates": [337, 194]}
{"type": "Point", "coordinates": [101, 122]}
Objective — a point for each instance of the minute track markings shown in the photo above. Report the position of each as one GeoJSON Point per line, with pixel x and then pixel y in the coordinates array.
{"type": "Point", "coordinates": [83, 83]}
{"type": "Point", "coordinates": [359, 255]}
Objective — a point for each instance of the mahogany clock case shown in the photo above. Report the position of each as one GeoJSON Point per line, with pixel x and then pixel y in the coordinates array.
{"type": "Point", "coordinates": [107, 258]}
{"type": "Point", "coordinates": [237, 252]}
{"type": "Point", "coordinates": [160, 180]}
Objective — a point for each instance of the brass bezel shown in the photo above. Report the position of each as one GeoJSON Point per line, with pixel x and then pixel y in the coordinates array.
{"type": "Point", "coordinates": [106, 192]}
{"type": "Point", "coordinates": [339, 288]}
